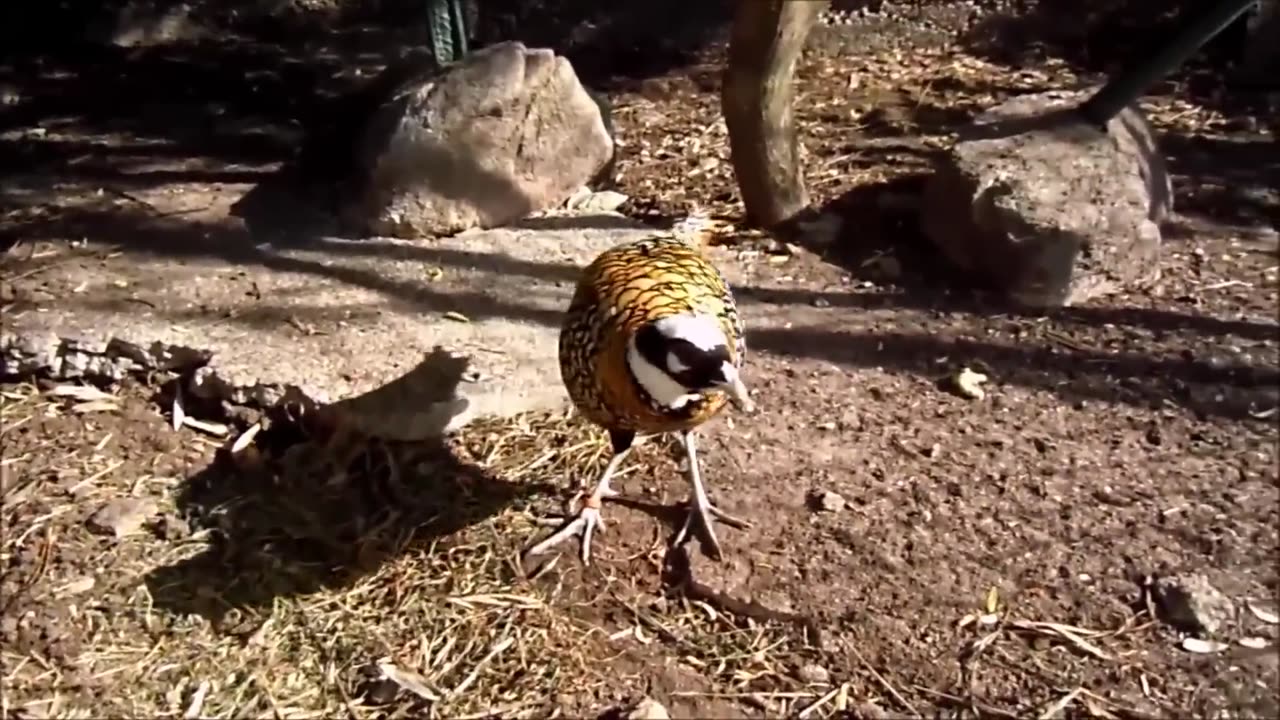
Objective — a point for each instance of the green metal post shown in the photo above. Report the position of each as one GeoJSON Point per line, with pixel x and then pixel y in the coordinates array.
{"type": "Point", "coordinates": [448, 27]}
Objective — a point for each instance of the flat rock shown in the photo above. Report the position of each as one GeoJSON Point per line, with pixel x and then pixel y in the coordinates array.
{"type": "Point", "coordinates": [1047, 208]}
{"type": "Point", "coordinates": [505, 132]}
{"type": "Point", "coordinates": [122, 517]}
{"type": "Point", "coordinates": [413, 339]}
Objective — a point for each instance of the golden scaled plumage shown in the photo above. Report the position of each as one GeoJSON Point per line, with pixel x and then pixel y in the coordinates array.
{"type": "Point", "coordinates": [622, 289]}
{"type": "Point", "coordinates": [618, 294]}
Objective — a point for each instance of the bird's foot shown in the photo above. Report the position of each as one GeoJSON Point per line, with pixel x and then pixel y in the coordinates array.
{"type": "Point", "coordinates": [584, 523]}
{"type": "Point", "coordinates": [700, 517]}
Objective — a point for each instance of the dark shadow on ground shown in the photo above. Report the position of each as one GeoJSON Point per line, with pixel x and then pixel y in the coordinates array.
{"type": "Point", "coordinates": [1231, 178]}
{"type": "Point", "coordinates": [1230, 173]}
{"type": "Point", "coordinates": [308, 508]}
{"type": "Point", "coordinates": [242, 88]}
{"type": "Point", "coordinates": [1240, 158]}
{"type": "Point", "coordinates": [175, 237]}
{"type": "Point", "coordinates": [881, 225]}
{"type": "Point", "coordinates": [880, 242]}
{"type": "Point", "coordinates": [1205, 386]}
{"type": "Point", "coordinates": [1100, 36]}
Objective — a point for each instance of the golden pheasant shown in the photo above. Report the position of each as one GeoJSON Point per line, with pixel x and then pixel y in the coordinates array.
{"type": "Point", "coordinates": [651, 343]}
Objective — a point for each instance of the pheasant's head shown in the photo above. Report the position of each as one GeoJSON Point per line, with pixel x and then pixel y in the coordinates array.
{"type": "Point", "coordinates": [677, 358]}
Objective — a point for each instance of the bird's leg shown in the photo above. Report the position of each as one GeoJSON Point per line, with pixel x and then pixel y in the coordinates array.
{"type": "Point", "coordinates": [701, 511]}
{"type": "Point", "coordinates": [589, 518]}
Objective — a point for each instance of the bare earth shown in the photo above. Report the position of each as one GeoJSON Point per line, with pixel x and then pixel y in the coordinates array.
{"type": "Point", "coordinates": [1132, 437]}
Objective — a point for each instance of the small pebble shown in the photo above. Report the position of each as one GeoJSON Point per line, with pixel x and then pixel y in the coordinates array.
{"type": "Point", "coordinates": [812, 673]}
{"type": "Point", "coordinates": [831, 501]}
{"type": "Point", "coordinates": [649, 709]}
{"type": "Point", "coordinates": [173, 527]}
{"type": "Point", "coordinates": [122, 517]}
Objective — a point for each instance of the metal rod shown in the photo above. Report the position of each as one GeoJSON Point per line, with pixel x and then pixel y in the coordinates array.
{"type": "Point", "coordinates": [460, 29]}
{"type": "Point", "coordinates": [1133, 82]}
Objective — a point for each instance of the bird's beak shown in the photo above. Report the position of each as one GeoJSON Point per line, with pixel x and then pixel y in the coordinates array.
{"type": "Point", "coordinates": [737, 390]}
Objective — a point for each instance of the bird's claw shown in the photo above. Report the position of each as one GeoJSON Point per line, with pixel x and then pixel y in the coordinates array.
{"type": "Point", "coordinates": [701, 515]}
{"type": "Point", "coordinates": [585, 523]}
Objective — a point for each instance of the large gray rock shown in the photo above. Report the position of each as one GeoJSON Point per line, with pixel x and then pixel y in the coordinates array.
{"type": "Point", "coordinates": [507, 131]}
{"type": "Point", "coordinates": [1047, 208]}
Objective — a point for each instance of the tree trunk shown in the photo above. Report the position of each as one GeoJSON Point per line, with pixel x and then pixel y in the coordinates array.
{"type": "Point", "coordinates": [757, 99]}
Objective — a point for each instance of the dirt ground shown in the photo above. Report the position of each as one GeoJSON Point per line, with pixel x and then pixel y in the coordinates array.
{"type": "Point", "coordinates": [1128, 438]}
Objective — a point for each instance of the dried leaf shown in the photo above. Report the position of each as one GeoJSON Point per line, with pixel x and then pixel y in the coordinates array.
{"type": "Point", "coordinates": [456, 317]}
{"type": "Point", "coordinates": [217, 429]}
{"type": "Point", "coordinates": [179, 413]}
{"type": "Point", "coordinates": [993, 599]}
{"type": "Point", "coordinates": [1060, 704]}
{"type": "Point", "coordinates": [1066, 632]}
{"type": "Point", "coordinates": [1203, 647]}
{"type": "Point", "coordinates": [85, 393]}
{"type": "Point", "coordinates": [95, 406]}
{"type": "Point", "coordinates": [409, 680]}
{"type": "Point", "coordinates": [197, 701]}
{"type": "Point", "coordinates": [969, 384]}
{"type": "Point", "coordinates": [1254, 643]}
{"type": "Point", "coordinates": [246, 438]}
{"type": "Point", "coordinates": [76, 587]}
{"type": "Point", "coordinates": [1264, 614]}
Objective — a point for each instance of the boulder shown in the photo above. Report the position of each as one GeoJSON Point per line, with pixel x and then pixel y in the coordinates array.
{"type": "Point", "coordinates": [1048, 208]}
{"type": "Point", "coordinates": [507, 131]}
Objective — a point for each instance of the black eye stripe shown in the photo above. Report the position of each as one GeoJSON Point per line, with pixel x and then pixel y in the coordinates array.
{"type": "Point", "coordinates": [685, 351]}
{"type": "Point", "coordinates": [701, 367]}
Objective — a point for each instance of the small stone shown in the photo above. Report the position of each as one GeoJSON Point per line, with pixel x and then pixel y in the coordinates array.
{"type": "Point", "coordinates": [830, 501]}
{"type": "Point", "coordinates": [648, 709]}
{"type": "Point", "coordinates": [1191, 604]}
{"type": "Point", "coordinates": [605, 201]}
{"type": "Point", "coordinates": [812, 673]}
{"type": "Point", "coordinates": [968, 384]}
{"type": "Point", "coordinates": [173, 527]}
{"type": "Point", "coordinates": [868, 710]}
{"type": "Point", "coordinates": [122, 517]}
{"type": "Point", "coordinates": [78, 586]}
{"type": "Point", "coordinates": [889, 268]}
